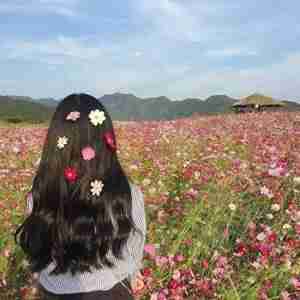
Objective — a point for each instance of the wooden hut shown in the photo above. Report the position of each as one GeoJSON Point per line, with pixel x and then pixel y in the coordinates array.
{"type": "Point", "coordinates": [258, 102]}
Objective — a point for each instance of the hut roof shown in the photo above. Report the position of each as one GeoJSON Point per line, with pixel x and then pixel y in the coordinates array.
{"type": "Point", "coordinates": [258, 99]}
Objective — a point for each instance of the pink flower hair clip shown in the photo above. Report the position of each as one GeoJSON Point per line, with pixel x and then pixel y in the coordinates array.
{"type": "Point", "coordinates": [88, 153]}
{"type": "Point", "coordinates": [73, 115]}
{"type": "Point", "coordinates": [110, 141]}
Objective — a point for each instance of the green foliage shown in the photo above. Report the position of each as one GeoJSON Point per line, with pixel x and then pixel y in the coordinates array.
{"type": "Point", "coordinates": [19, 111]}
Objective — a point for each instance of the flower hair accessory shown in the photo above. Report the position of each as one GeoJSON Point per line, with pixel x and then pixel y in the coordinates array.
{"type": "Point", "coordinates": [96, 187]}
{"type": "Point", "coordinates": [88, 153]}
{"type": "Point", "coordinates": [73, 115]}
{"type": "Point", "coordinates": [110, 141]}
{"type": "Point", "coordinates": [97, 117]}
{"type": "Point", "coordinates": [70, 174]}
{"type": "Point", "coordinates": [61, 142]}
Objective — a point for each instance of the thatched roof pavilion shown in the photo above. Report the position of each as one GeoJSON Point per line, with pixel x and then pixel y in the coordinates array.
{"type": "Point", "coordinates": [257, 102]}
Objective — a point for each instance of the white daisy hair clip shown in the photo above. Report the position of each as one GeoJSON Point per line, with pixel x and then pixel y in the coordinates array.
{"type": "Point", "coordinates": [97, 117]}
{"type": "Point", "coordinates": [61, 142]}
{"type": "Point", "coordinates": [96, 187]}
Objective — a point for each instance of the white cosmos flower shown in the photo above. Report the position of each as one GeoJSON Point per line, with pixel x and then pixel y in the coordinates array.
{"type": "Point", "coordinates": [261, 236]}
{"type": "Point", "coordinates": [96, 187]}
{"type": "Point", "coordinates": [296, 180]}
{"type": "Point", "coordinates": [232, 206]}
{"type": "Point", "coordinates": [275, 207]}
{"type": "Point", "coordinates": [146, 181]}
{"type": "Point", "coordinates": [265, 191]}
{"type": "Point", "coordinates": [97, 117]}
{"type": "Point", "coordinates": [61, 142]}
{"type": "Point", "coordinates": [286, 226]}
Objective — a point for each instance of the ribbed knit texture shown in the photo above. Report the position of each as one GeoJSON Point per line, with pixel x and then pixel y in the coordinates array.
{"type": "Point", "coordinates": [105, 278]}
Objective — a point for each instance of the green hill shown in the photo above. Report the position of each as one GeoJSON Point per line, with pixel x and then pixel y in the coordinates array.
{"type": "Point", "coordinates": [20, 110]}
{"type": "Point", "coordinates": [292, 106]}
{"type": "Point", "coordinates": [128, 106]}
{"type": "Point", "coordinates": [124, 107]}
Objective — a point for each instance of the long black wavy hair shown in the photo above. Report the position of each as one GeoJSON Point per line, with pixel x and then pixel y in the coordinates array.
{"type": "Point", "coordinates": [69, 225]}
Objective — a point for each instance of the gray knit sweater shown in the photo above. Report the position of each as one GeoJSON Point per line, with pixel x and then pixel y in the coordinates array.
{"type": "Point", "coordinates": [105, 278]}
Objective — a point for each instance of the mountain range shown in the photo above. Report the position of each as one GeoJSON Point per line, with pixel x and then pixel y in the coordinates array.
{"type": "Point", "coordinates": [123, 107]}
{"type": "Point", "coordinates": [18, 109]}
{"type": "Point", "coordinates": [128, 106]}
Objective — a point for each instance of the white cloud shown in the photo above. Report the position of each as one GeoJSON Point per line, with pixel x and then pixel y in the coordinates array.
{"type": "Point", "coordinates": [185, 21]}
{"type": "Point", "coordinates": [280, 80]}
{"type": "Point", "coordinates": [177, 48]}
{"type": "Point", "coordinates": [36, 7]}
{"type": "Point", "coordinates": [226, 52]}
{"type": "Point", "coordinates": [52, 51]}
{"type": "Point", "coordinates": [138, 53]}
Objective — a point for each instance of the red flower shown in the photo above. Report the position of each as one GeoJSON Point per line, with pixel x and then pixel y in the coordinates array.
{"type": "Point", "coordinates": [205, 264]}
{"type": "Point", "coordinates": [240, 249]}
{"type": "Point", "coordinates": [110, 141]}
{"type": "Point", "coordinates": [70, 174]}
{"type": "Point", "coordinates": [272, 237]}
{"type": "Point", "coordinates": [173, 284]}
{"type": "Point", "coordinates": [146, 272]}
{"type": "Point", "coordinates": [264, 249]}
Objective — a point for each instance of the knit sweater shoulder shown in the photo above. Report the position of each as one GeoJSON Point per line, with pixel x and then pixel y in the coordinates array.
{"type": "Point", "coordinates": [104, 278]}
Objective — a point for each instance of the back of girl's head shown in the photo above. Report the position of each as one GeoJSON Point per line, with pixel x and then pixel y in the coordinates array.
{"type": "Point", "coordinates": [81, 195]}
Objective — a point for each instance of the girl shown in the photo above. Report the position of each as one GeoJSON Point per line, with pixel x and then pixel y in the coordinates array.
{"type": "Point", "coordinates": [85, 234]}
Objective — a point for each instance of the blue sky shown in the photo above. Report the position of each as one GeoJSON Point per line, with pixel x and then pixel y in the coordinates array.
{"type": "Point", "coordinates": [180, 49]}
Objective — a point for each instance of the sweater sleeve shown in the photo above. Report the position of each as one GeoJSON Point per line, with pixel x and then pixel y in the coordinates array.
{"type": "Point", "coordinates": [29, 203]}
{"type": "Point", "coordinates": [136, 241]}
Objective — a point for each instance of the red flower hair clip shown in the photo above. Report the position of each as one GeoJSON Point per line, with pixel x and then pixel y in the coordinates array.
{"type": "Point", "coordinates": [110, 141]}
{"type": "Point", "coordinates": [70, 174]}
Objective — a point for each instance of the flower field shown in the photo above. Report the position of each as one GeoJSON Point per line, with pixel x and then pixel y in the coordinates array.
{"type": "Point", "coordinates": [222, 198]}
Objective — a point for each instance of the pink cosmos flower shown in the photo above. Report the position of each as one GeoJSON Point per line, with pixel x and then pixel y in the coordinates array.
{"type": "Point", "coordinates": [88, 153]}
{"type": "Point", "coordinates": [265, 191]}
{"type": "Point", "coordinates": [240, 249]}
{"type": "Point", "coordinates": [296, 283]}
{"type": "Point", "coordinates": [138, 285]}
{"type": "Point", "coordinates": [161, 260]}
{"type": "Point", "coordinates": [179, 258]}
{"type": "Point", "coordinates": [150, 250]}
{"type": "Point", "coordinates": [176, 275]}
{"type": "Point", "coordinates": [221, 261]}
{"type": "Point", "coordinates": [146, 272]}
{"type": "Point", "coordinates": [226, 232]}
{"type": "Point", "coordinates": [173, 284]}
{"type": "Point", "coordinates": [205, 264]}
{"type": "Point", "coordinates": [264, 249]}
{"type": "Point", "coordinates": [74, 115]}
{"type": "Point", "coordinates": [158, 296]}
{"type": "Point", "coordinates": [7, 252]}
{"type": "Point", "coordinates": [272, 237]}
{"type": "Point", "coordinates": [154, 296]}
{"type": "Point", "coordinates": [219, 272]}
{"type": "Point", "coordinates": [285, 295]}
